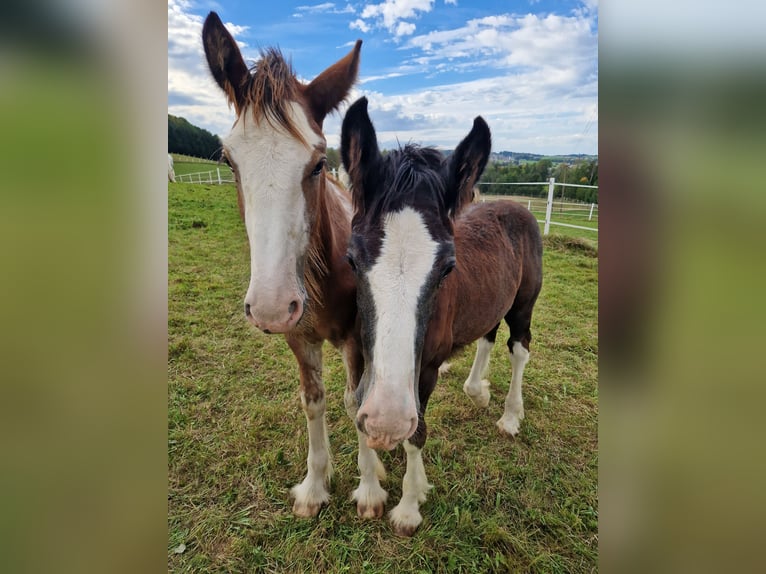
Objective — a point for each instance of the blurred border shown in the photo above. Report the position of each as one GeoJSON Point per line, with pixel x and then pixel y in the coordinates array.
{"type": "Point", "coordinates": [83, 294]}
{"type": "Point", "coordinates": [83, 249]}
{"type": "Point", "coordinates": [682, 87]}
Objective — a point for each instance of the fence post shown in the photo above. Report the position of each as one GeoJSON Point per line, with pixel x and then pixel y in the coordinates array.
{"type": "Point", "coordinates": [529, 205]}
{"type": "Point", "coordinates": [218, 169]}
{"type": "Point", "coordinates": [549, 207]}
{"type": "Point", "coordinates": [591, 211]}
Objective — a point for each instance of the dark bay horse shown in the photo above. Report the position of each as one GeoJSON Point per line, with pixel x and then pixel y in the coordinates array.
{"type": "Point", "coordinates": [434, 273]}
{"type": "Point", "coordinates": [298, 224]}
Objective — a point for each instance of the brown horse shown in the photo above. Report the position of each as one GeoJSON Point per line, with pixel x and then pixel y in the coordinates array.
{"type": "Point", "coordinates": [434, 273]}
{"type": "Point", "coordinates": [298, 224]}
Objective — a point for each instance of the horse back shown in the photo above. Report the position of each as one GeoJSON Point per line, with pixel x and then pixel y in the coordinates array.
{"type": "Point", "coordinates": [498, 249]}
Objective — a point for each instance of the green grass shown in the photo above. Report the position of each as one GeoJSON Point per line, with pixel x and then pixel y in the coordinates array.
{"type": "Point", "coordinates": [237, 434]}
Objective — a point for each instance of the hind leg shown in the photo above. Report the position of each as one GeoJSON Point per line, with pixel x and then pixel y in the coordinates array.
{"type": "Point", "coordinates": [513, 414]}
{"type": "Point", "coordinates": [476, 386]}
{"type": "Point", "coordinates": [518, 346]}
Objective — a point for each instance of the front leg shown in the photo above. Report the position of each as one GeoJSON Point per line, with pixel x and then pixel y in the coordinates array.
{"type": "Point", "coordinates": [370, 497]}
{"type": "Point", "coordinates": [405, 517]}
{"type": "Point", "coordinates": [312, 493]}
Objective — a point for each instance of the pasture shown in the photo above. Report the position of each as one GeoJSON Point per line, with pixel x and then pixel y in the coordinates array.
{"type": "Point", "coordinates": [237, 433]}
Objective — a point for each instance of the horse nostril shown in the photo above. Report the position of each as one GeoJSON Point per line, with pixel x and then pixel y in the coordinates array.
{"type": "Point", "coordinates": [247, 310]}
{"type": "Point", "coordinates": [293, 307]}
{"type": "Point", "coordinates": [360, 422]}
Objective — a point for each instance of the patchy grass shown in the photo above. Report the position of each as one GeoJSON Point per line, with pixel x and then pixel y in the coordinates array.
{"type": "Point", "coordinates": [237, 436]}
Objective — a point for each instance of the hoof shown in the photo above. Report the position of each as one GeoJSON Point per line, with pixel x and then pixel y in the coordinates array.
{"type": "Point", "coordinates": [370, 511]}
{"type": "Point", "coordinates": [405, 531]}
{"type": "Point", "coordinates": [370, 501]}
{"type": "Point", "coordinates": [481, 399]}
{"type": "Point", "coordinates": [405, 520]}
{"type": "Point", "coordinates": [306, 510]}
{"type": "Point", "coordinates": [509, 425]}
{"type": "Point", "coordinates": [309, 498]}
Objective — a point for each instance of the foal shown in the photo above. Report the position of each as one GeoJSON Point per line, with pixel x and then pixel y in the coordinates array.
{"type": "Point", "coordinates": [434, 273]}
{"type": "Point", "coordinates": [298, 224]}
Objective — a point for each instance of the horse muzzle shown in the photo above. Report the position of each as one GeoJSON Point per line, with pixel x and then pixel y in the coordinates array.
{"type": "Point", "coordinates": [281, 319]}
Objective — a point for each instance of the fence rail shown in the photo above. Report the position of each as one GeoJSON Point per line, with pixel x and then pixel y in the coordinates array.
{"type": "Point", "coordinates": [570, 209]}
{"type": "Point", "coordinates": [575, 210]}
{"type": "Point", "coordinates": [213, 176]}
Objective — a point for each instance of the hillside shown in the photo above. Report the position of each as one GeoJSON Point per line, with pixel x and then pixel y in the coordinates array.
{"type": "Point", "coordinates": [186, 138]}
{"type": "Point", "coordinates": [522, 157]}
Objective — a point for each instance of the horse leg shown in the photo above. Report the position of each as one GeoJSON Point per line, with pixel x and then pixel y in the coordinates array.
{"type": "Point", "coordinates": [312, 493]}
{"type": "Point", "coordinates": [405, 516]}
{"type": "Point", "coordinates": [370, 497]}
{"type": "Point", "coordinates": [518, 346]}
{"type": "Point", "coordinates": [476, 386]}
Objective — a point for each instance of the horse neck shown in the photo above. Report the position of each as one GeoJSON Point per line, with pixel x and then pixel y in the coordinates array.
{"type": "Point", "coordinates": [328, 237]}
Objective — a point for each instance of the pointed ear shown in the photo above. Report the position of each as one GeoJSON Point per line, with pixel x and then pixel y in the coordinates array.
{"type": "Point", "coordinates": [359, 151]}
{"type": "Point", "coordinates": [225, 60]}
{"type": "Point", "coordinates": [466, 165]}
{"type": "Point", "coordinates": [330, 88]}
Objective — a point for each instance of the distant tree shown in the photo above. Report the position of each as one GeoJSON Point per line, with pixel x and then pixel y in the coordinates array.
{"type": "Point", "coordinates": [539, 171]}
{"type": "Point", "coordinates": [333, 158]}
{"type": "Point", "coordinates": [188, 139]}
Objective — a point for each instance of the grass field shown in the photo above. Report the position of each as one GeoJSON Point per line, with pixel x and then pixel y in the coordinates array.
{"type": "Point", "coordinates": [237, 435]}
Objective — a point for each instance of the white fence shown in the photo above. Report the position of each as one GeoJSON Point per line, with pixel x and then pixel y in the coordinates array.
{"type": "Point", "coordinates": [213, 176]}
{"type": "Point", "coordinates": [587, 211]}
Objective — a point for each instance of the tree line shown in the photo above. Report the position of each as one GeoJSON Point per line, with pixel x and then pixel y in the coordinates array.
{"type": "Point", "coordinates": [188, 139]}
{"type": "Point", "coordinates": [583, 173]}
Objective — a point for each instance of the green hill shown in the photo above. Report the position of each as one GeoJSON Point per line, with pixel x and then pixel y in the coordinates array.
{"type": "Point", "coordinates": [185, 138]}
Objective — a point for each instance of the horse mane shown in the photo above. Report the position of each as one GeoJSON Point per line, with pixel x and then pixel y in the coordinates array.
{"type": "Point", "coordinates": [270, 86]}
{"type": "Point", "coordinates": [406, 173]}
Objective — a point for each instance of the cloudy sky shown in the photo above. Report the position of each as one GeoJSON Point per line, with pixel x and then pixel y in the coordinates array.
{"type": "Point", "coordinates": [428, 67]}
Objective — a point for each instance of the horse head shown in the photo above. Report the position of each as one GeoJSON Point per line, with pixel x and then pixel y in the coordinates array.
{"type": "Point", "coordinates": [276, 149]}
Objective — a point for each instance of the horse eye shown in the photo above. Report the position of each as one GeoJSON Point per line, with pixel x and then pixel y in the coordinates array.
{"type": "Point", "coordinates": [351, 263]}
{"type": "Point", "coordinates": [447, 270]}
{"type": "Point", "coordinates": [318, 168]}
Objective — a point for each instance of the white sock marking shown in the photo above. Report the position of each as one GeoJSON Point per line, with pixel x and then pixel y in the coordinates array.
{"type": "Point", "coordinates": [475, 387]}
{"type": "Point", "coordinates": [406, 515]}
{"type": "Point", "coordinates": [514, 405]}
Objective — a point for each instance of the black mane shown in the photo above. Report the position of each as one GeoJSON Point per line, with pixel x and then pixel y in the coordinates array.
{"type": "Point", "coordinates": [408, 176]}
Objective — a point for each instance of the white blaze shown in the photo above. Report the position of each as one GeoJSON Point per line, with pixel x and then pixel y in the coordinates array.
{"type": "Point", "coordinates": [406, 260]}
{"type": "Point", "coordinates": [271, 165]}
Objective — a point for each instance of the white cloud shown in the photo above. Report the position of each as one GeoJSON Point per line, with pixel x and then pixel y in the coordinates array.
{"type": "Point", "coordinates": [404, 29]}
{"type": "Point", "coordinates": [192, 92]}
{"type": "Point", "coordinates": [542, 96]}
{"type": "Point", "coordinates": [563, 43]}
{"type": "Point", "coordinates": [326, 7]}
{"type": "Point", "coordinates": [522, 116]}
{"type": "Point", "coordinates": [359, 24]}
{"type": "Point", "coordinates": [388, 14]}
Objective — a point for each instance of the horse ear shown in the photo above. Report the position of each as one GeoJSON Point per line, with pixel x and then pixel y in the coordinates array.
{"type": "Point", "coordinates": [330, 88]}
{"type": "Point", "coordinates": [225, 60]}
{"type": "Point", "coordinates": [359, 151]}
{"type": "Point", "coordinates": [466, 165]}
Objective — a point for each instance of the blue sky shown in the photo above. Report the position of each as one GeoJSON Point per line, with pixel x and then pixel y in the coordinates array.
{"type": "Point", "coordinates": [428, 67]}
